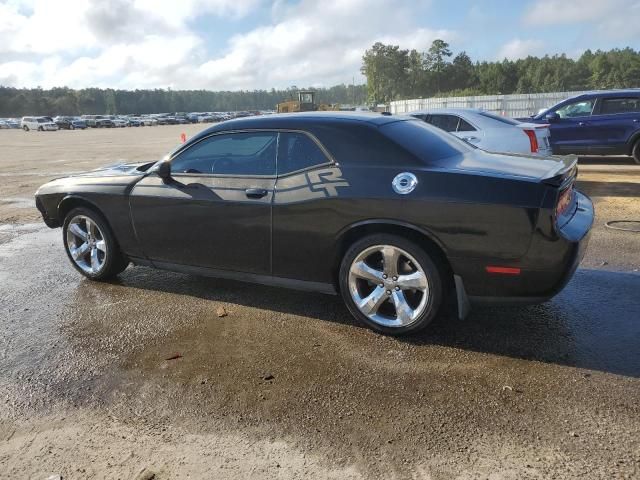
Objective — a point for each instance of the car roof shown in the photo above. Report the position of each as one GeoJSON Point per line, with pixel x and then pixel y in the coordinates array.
{"type": "Point", "coordinates": [446, 111]}
{"type": "Point", "coordinates": [298, 121]}
{"type": "Point", "coordinates": [634, 92]}
{"type": "Point", "coordinates": [478, 117]}
{"type": "Point", "coordinates": [290, 120]}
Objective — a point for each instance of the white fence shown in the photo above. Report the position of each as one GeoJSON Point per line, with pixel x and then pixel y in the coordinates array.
{"type": "Point", "coordinates": [519, 105]}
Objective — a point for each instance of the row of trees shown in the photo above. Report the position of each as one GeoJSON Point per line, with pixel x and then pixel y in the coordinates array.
{"type": "Point", "coordinates": [15, 102]}
{"type": "Point", "coordinates": [393, 73]}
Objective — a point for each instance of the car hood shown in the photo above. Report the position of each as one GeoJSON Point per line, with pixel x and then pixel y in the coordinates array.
{"type": "Point", "coordinates": [116, 170]}
{"type": "Point", "coordinates": [119, 175]}
{"type": "Point", "coordinates": [512, 165]}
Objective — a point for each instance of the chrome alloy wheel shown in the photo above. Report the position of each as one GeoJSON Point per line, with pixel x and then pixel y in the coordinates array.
{"type": "Point", "coordinates": [86, 244]}
{"type": "Point", "coordinates": [388, 286]}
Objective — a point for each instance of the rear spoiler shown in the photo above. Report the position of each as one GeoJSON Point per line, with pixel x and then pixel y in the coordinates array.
{"type": "Point", "coordinates": [566, 172]}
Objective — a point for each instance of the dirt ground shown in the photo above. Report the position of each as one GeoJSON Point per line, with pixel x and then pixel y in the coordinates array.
{"type": "Point", "coordinates": [140, 376]}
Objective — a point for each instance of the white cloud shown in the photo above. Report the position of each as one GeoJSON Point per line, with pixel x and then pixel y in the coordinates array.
{"type": "Point", "coordinates": [609, 19]}
{"type": "Point", "coordinates": [518, 48]}
{"type": "Point", "coordinates": [315, 43]}
{"type": "Point", "coordinates": [151, 43]}
{"type": "Point", "coordinates": [557, 12]}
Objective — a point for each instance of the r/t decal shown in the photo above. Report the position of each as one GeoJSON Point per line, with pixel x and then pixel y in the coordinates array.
{"type": "Point", "coordinates": [328, 179]}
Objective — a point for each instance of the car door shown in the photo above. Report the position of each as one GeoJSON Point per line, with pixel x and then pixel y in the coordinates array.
{"type": "Point", "coordinates": [571, 132]}
{"type": "Point", "coordinates": [215, 210]}
{"type": "Point", "coordinates": [303, 211]}
{"type": "Point", "coordinates": [614, 121]}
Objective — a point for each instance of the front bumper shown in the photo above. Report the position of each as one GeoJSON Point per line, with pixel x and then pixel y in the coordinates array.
{"type": "Point", "coordinates": [50, 222]}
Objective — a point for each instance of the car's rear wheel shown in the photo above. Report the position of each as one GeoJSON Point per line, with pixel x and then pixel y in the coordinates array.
{"type": "Point", "coordinates": [636, 152]}
{"type": "Point", "coordinates": [390, 284]}
{"type": "Point", "coordinates": [72, 127]}
{"type": "Point", "coordinates": [91, 246]}
{"type": "Point", "coordinates": [40, 129]}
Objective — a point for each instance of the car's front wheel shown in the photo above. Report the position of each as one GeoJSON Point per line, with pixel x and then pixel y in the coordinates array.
{"type": "Point", "coordinates": [636, 152]}
{"type": "Point", "coordinates": [25, 128]}
{"type": "Point", "coordinates": [91, 246]}
{"type": "Point", "coordinates": [390, 284]}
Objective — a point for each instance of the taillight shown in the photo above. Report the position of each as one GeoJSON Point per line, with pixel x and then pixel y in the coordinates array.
{"type": "Point", "coordinates": [564, 200]}
{"type": "Point", "coordinates": [533, 140]}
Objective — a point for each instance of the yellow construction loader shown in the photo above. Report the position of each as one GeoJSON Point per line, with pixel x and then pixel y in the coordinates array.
{"type": "Point", "coordinates": [306, 102]}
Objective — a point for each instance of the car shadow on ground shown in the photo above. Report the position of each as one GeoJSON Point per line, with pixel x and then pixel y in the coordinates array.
{"type": "Point", "coordinates": [606, 160]}
{"type": "Point", "coordinates": [609, 189]}
{"type": "Point", "coordinates": [593, 324]}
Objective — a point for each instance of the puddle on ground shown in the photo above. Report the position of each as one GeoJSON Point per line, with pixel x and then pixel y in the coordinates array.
{"type": "Point", "coordinates": [151, 346]}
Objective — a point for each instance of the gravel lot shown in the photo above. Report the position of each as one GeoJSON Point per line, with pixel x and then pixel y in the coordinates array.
{"type": "Point", "coordinates": [141, 376]}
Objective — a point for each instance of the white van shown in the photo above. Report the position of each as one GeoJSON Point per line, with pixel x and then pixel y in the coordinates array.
{"type": "Point", "coordinates": [38, 123]}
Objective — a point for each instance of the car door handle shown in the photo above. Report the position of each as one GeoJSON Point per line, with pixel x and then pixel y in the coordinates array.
{"type": "Point", "coordinates": [255, 192]}
{"type": "Point", "coordinates": [582, 124]}
{"type": "Point", "coordinates": [635, 120]}
{"type": "Point", "coordinates": [471, 139]}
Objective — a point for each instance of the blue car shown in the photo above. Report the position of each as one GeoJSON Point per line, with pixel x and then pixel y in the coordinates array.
{"type": "Point", "coordinates": [596, 123]}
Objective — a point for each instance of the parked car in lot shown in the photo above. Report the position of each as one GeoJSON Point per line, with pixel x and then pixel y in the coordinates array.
{"type": "Point", "coordinates": [148, 121]}
{"type": "Point", "coordinates": [206, 118]}
{"type": "Point", "coordinates": [70, 123]}
{"type": "Point", "coordinates": [98, 121]}
{"type": "Point", "coordinates": [117, 121]}
{"type": "Point", "coordinates": [64, 123]}
{"type": "Point", "coordinates": [134, 122]}
{"type": "Point", "coordinates": [9, 123]}
{"type": "Point", "coordinates": [489, 131]}
{"type": "Point", "coordinates": [78, 123]}
{"type": "Point", "coordinates": [596, 123]}
{"type": "Point", "coordinates": [40, 124]}
{"type": "Point", "coordinates": [390, 212]}
{"type": "Point", "coordinates": [164, 120]}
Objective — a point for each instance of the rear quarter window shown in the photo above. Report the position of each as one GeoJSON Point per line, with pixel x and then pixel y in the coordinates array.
{"type": "Point", "coordinates": [620, 105]}
{"type": "Point", "coordinates": [425, 141]}
{"type": "Point", "coordinates": [354, 144]}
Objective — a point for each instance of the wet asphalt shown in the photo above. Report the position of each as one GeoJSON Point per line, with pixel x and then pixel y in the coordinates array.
{"type": "Point", "coordinates": [547, 391]}
{"type": "Point", "coordinates": [555, 386]}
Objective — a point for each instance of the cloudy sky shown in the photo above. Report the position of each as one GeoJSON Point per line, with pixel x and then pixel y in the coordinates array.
{"type": "Point", "coordinates": [247, 44]}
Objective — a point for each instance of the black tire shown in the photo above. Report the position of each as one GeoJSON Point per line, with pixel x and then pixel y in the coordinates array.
{"type": "Point", "coordinates": [433, 275]}
{"type": "Point", "coordinates": [114, 261]}
{"type": "Point", "coordinates": [72, 127]}
{"type": "Point", "coordinates": [40, 129]}
{"type": "Point", "coordinates": [635, 152]}
{"type": "Point", "coordinates": [25, 128]}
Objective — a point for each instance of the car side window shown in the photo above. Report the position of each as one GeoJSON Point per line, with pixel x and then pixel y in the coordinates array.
{"type": "Point", "coordinates": [298, 151]}
{"type": "Point", "coordinates": [245, 153]}
{"type": "Point", "coordinates": [448, 123]}
{"type": "Point", "coordinates": [465, 126]}
{"type": "Point", "coordinates": [582, 108]}
{"type": "Point", "coordinates": [620, 105]}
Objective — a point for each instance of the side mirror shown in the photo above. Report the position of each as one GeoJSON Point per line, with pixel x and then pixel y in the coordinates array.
{"type": "Point", "coordinates": [552, 117]}
{"type": "Point", "coordinates": [164, 170]}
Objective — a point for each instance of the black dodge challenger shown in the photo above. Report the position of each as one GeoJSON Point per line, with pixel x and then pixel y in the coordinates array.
{"type": "Point", "coordinates": [390, 212]}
